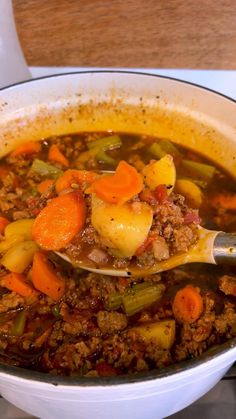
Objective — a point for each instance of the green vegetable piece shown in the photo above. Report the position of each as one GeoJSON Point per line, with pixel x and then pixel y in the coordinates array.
{"type": "Point", "coordinates": [45, 169]}
{"type": "Point", "coordinates": [170, 148]}
{"type": "Point", "coordinates": [139, 299]}
{"type": "Point", "coordinates": [201, 170]}
{"type": "Point", "coordinates": [102, 157]}
{"type": "Point", "coordinates": [19, 257]}
{"type": "Point", "coordinates": [106, 143]}
{"type": "Point", "coordinates": [56, 311]}
{"type": "Point", "coordinates": [114, 301]}
{"type": "Point", "coordinates": [18, 326]}
{"type": "Point", "coordinates": [160, 148]}
{"type": "Point", "coordinates": [156, 150]}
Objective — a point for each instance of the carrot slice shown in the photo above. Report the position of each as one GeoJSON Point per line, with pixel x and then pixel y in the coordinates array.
{"type": "Point", "coordinates": [45, 278]}
{"type": "Point", "coordinates": [57, 156]}
{"type": "Point", "coordinates": [187, 305]}
{"type": "Point", "coordinates": [44, 185]}
{"type": "Point", "coordinates": [71, 176]}
{"type": "Point", "coordinates": [120, 187]}
{"type": "Point", "coordinates": [3, 223]}
{"type": "Point", "coordinates": [17, 283]}
{"type": "Point", "coordinates": [58, 223]}
{"type": "Point", "coordinates": [31, 147]}
{"type": "Point", "coordinates": [226, 201]}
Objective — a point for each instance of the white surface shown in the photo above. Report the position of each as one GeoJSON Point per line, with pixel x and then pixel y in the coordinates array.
{"type": "Point", "coordinates": [194, 386]}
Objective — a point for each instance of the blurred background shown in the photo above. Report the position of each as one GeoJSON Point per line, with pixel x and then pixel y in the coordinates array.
{"type": "Point", "coordinates": [194, 34]}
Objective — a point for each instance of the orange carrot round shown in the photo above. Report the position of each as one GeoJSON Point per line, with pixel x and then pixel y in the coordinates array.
{"type": "Point", "coordinates": [187, 305]}
{"type": "Point", "coordinates": [3, 223]}
{"type": "Point", "coordinates": [57, 156]}
{"type": "Point", "coordinates": [58, 223]}
{"type": "Point", "coordinates": [45, 278]}
{"type": "Point", "coordinates": [17, 283]}
{"type": "Point", "coordinates": [31, 147]}
{"type": "Point", "coordinates": [44, 185]}
{"type": "Point", "coordinates": [71, 176]}
{"type": "Point", "coordinates": [120, 187]}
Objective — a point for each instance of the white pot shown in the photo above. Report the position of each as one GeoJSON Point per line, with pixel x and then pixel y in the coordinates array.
{"type": "Point", "coordinates": [186, 113]}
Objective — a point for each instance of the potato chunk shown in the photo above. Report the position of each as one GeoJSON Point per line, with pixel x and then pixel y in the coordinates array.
{"type": "Point", "coordinates": [20, 228]}
{"type": "Point", "coordinates": [190, 191]}
{"type": "Point", "coordinates": [18, 257]}
{"type": "Point", "coordinates": [122, 227]}
{"type": "Point", "coordinates": [160, 172]}
{"type": "Point", "coordinates": [162, 333]}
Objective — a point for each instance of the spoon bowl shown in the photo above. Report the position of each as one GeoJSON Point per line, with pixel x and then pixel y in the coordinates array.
{"type": "Point", "coordinates": [212, 247]}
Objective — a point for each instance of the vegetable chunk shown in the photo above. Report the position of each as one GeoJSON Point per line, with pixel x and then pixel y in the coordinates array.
{"type": "Point", "coordinates": [161, 172]}
{"type": "Point", "coordinates": [58, 223]}
{"type": "Point", "coordinates": [162, 333]}
{"type": "Point", "coordinates": [122, 228]}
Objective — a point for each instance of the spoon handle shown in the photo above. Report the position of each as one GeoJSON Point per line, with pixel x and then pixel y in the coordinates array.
{"type": "Point", "coordinates": [224, 248]}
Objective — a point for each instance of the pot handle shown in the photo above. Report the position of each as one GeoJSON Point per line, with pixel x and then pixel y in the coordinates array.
{"type": "Point", "coordinates": [13, 67]}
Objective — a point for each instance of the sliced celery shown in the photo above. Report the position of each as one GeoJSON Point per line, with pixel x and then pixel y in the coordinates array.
{"type": "Point", "coordinates": [201, 170]}
{"type": "Point", "coordinates": [45, 169]}
{"type": "Point", "coordinates": [114, 301]}
{"type": "Point", "coordinates": [18, 325]}
{"type": "Point", "coordinates": [106, 143]}
{"type": "Point", "coordinates": [156, 150]}
{"type": "Point", "coordinates": [170, 148]}
{"type": "Point", "coordinates": [142, 298]}
{"type": "Point", "coordinates": [102, 157]}
{"type": "Point", "coordinates": [160, 148]}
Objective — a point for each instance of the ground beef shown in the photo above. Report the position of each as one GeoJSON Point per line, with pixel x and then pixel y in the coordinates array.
{"type": "Point", "coordinates": [227, 284]}
{"type": "Point", "coordinates": [111, 322]}
{"type": "Point", "coordinates": [10, 301]}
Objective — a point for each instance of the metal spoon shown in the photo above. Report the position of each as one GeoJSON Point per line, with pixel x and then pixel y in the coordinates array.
{"type": "Point", "coordinates": [213, 247]}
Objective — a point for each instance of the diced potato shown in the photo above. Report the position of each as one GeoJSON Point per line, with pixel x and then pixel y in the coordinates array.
{"type": "Point", "coordinates": [190, 191]}
{"type": "Point", "coordinates": [123, 228]}
{"type": "Point", "coordinates": [11, 241]}
{"type": "Point", "coordinates": [160, 172]}
{"type": "Point", "coordinates": [20, 228]}
{"type": "Point", "coordinates": [162, 333]}
{"type": "Point", "coordinates": [18, 257]}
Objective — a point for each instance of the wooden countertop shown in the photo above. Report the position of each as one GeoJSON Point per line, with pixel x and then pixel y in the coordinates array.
{"type": "Point", "coordinates": [128, 33]}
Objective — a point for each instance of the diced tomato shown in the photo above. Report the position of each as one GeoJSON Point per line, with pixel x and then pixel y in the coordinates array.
{"type": "Point", "coordinates": [106, 370]}
{"type": "Point", "coordinates": [148, 196]}
{"type": "Point", "coordinates": [146, 244]}
{"type": "Point", "coordinates": [161, 194]}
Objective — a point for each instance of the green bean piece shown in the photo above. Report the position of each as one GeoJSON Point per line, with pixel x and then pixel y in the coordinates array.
{"type": "Point", "coordinates": [156, 150]}
{"type": "Point", "coordinates": [142, 298]}
{"type": "Point", "coordinates": [106, 143]}
{"type": "Point", "coordinates": [114, 301]}
{"type": "Point", "coordinates": [45, 169]}
{"type": "Point", "coordinates": [102, 157]}
{"type": "Point", "coordinates": [18, 326]}
{"type": "Point", "coordinates": [200, 170]}
{"type": "Point", "coordinates": [170, 148]}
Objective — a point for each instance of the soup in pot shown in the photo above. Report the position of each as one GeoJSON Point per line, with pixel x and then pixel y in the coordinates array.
{"type": "Point", "coordinates": [110, 200]}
